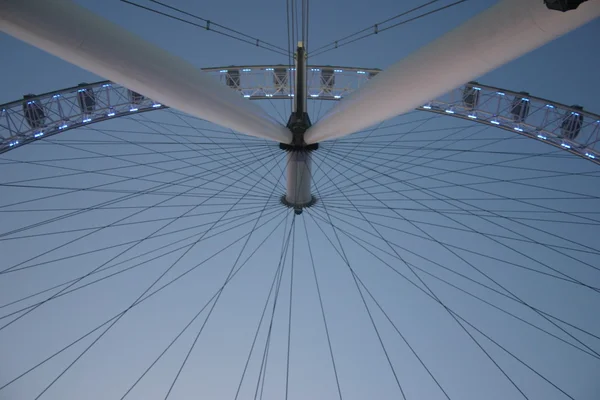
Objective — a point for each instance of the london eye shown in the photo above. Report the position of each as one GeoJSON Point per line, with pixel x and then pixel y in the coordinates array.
{"type": "Point", "coordinates": [311, 221]}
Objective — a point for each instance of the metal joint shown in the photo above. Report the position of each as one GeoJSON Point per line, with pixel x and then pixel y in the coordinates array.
{"type": "Point", "coordinates": [563, 5]}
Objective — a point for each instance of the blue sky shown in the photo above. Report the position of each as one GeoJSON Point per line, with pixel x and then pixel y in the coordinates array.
{"type": "Point", "coordinates": [564, 71]}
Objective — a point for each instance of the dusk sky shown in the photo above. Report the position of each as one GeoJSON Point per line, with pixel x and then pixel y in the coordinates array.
{"type": "Point", "coordinates": [423, 271]}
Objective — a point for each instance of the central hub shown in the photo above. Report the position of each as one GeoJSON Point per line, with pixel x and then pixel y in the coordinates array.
{"type": "Point", "coordinates": [298, 124]}
{"type": "Point", "coordinates": [298, 166]}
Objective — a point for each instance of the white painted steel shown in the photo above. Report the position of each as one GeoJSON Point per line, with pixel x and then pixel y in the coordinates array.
{"type": "Point", "coordinates": [498, 35]}
{"type": "Point", "coordinates": [299, 165]}
{"type": "Point", "coordinates": [77, 35]}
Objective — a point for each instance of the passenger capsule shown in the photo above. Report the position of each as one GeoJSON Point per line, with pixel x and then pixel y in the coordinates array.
{"type": "Point", "coordinates": [327, 79]}
{"type": "Point", "coordinates": [86, 98]}
{"type": "Point", "coordinates": [33, 112]}
{"type": "Point", "coordinates": [520, 107]}
{"type": "Point", "coordinates": [280, 78]}
{"type": "Point", "coordinates": [233, 78]}
{"type": "Point", "coordinates": [572, 123]}
{"type": "Point", "coordinates": [470, 96]}
{"type": "Point", "coordinates": [135, 97]}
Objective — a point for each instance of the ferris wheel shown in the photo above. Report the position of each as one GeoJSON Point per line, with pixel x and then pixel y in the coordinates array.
{"type": "Point", "coordinates": [172, 232]}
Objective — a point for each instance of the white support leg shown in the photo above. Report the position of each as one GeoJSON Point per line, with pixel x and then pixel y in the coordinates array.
{"type": "Point", "coordinates": [498, 35]}
{"type": "Point", "coordinates": [79, 36]}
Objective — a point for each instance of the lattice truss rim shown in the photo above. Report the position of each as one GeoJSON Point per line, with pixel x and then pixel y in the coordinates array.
{"type": "Point", "coordinates": [570, 128]}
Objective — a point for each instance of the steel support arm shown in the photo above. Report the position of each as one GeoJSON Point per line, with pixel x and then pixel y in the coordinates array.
{"type": "Point", "coordinates": [77, 35]}
{"type": "Point", "coordinates": [498, 35]}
